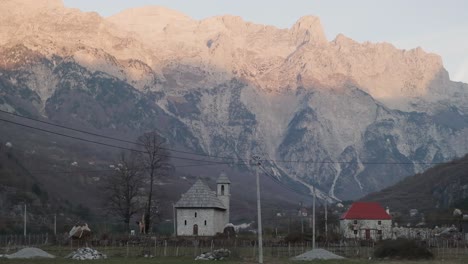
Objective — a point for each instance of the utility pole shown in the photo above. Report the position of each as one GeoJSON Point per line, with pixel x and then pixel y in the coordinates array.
{"type": "Point", "coordinates": [326, 222]}
{"type": "Point", "coordinates": [302, 225]}
{"type": "Point", "coordinates": [55, 224]}
{"type": "Point", "coordinates": [259, 212]}
{"type": "Point", "coordinates": [174, 217]}
{"type": "Point", "coordinates": [313, 221]}
{"type": "Point", "coordinates": [24, 228]}
{"type": "Point", "coordinates": [302, 221]}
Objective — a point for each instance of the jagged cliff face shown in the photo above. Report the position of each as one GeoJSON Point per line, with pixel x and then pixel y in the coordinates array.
{"type": "Point", "coordinates": [227, 87]}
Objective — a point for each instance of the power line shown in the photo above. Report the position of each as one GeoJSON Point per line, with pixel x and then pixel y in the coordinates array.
{"type": "Point", "coordinates": [99, 171]}
{"type": "Point", "coordinates": [111, 138]}
{"type": "Point", "coordinates": [99, 143]}
{"type": "Point", "coordinates": [194, 153]}
{"type": "Point", "coordinates": [283, 184]}
{"type": "Point", "coordinates": [280, 182]}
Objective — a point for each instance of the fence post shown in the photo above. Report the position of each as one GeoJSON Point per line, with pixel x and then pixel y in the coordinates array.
{"type": "Point", "coordinates": [255, 249]}
{"type": "Point", "coordinates": [165, 247]}
{"type": "Point", "coordinates": [127, 249]}
{"type": "Point", "coordinates": [155, 246]}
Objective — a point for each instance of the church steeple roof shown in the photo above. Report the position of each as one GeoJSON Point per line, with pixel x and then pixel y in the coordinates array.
{"type": "Point", "coordinates": [223, 178]}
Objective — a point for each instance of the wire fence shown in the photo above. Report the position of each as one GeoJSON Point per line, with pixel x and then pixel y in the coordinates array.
{"type": "Point", "coordinates": [149, 246]}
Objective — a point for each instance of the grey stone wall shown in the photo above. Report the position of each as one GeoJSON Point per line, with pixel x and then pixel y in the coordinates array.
{"type": "Point", "coordinates": [357, 230]}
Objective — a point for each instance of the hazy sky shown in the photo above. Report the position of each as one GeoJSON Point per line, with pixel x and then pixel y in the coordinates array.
{"type": "Point", "coordinates": [437, 26]}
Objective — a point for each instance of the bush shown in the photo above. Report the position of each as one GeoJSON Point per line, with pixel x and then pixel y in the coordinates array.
{"type": "Point", "coordinates": [402, 249]}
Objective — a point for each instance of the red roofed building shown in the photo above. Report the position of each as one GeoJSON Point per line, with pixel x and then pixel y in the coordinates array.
{"type": "Point", "coordinates": [366, 220]}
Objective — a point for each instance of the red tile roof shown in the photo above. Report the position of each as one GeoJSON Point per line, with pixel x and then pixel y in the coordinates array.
{"type": "Point", "coordinates": [366, 210]}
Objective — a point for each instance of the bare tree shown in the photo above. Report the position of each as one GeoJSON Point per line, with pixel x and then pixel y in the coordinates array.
{"type": "Point", "coordinates": [123, 188]}
{"type": "Point", "coordinates": [155, 159]}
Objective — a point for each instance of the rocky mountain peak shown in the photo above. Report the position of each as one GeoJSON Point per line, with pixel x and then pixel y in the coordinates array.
{"type": "Point", "coordinates": [343, 40]}
{"type": "Point", "coordinates": [269, 57]}
{"type": "Point", "coordinates": [308, 29]}
{"type": "Point", "coordinates": [28, 6]}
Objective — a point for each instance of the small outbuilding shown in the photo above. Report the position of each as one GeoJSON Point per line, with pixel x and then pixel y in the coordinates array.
{"type": "Point", "coordinates": [203, 212]}
{"type": "Point", "coordinates": [366, 221]}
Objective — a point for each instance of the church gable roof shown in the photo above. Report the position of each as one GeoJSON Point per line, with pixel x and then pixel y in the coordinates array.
{"type": "Point", "coordinates": [199, 196]}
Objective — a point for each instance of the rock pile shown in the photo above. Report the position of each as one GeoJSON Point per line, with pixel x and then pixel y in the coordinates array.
{"type": "Point", "coordinates": [218, 254]}
{"type": "Point", "coordinates": [27, 253]}
{"type": "Point", "coordinates": [86, 254]}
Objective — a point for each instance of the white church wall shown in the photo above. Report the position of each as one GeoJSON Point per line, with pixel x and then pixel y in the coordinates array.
{"type": "Point", "coordinates": [209, 221]}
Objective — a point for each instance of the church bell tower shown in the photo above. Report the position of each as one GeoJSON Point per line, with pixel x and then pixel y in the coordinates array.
{"type": "Point", "coordinates": [224, 192]}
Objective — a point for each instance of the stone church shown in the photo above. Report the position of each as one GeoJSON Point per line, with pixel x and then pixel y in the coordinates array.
{"type": "Point", "coordinates": [203, 212]}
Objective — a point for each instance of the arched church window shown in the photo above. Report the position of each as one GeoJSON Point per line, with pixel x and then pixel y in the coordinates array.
{"type": "Point", "coordinates": [222, 189]}
{"type": "Point", "coordinates": [205, 222]}
{"type": "Point", "coordinates": [185, 222]}
{"type": "Point", "coordinates": [195, 214]}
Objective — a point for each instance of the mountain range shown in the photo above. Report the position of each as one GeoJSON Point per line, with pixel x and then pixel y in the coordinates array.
{"type": "Point", "coordinates": [348, 118]}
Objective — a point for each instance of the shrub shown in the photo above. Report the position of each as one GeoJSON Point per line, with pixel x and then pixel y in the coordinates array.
{"type": "Point", "coordinates": [402, 249]}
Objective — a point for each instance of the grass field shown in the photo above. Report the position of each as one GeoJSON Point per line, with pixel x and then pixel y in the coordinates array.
{"type": "Point", "coordinates": [183, 260]}
{"type": "Point", "coordinates": [174, 260]}
{"type": "Point", "coordinates": [118, 255]}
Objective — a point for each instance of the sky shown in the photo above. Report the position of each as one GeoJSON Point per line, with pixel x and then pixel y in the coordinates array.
{"type": "Point", "coordinates": [437, 26]}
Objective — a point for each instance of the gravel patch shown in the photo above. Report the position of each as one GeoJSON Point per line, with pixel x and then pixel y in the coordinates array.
{"type": "Point", "coordinates": [317, 253]}
{"type": "Point", "coordinates": [27, 253]}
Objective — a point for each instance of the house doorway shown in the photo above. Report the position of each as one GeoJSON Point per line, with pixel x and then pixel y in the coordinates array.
{"type": "Point", "coordinates": [195, 230]}
{"type": "Point", "coordinates": [368, 234]}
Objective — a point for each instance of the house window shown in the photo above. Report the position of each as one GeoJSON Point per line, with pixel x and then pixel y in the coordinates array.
{"type": "Point", "coordinates": [379, 232]}
{"type": "Point", "coordinates": [355, 222]}
{"type": "Point", "coordinates": [205, 222]}
{"type": "Point", "coordinates": [379, 222]}
{"type": "Point", "coordinates": [195, 214]}
{"type": "Point", "coordinates": [355, 232]}
{"type": "Point", "coordinates": [222, 189]}
{"type": "Point", "coordinates": [185, 222]}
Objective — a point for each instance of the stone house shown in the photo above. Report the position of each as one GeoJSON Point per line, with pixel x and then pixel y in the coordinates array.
{"type": "Point", "coordinates": [203, 212]}
{"type": "Point", "coordinates": [366, 221]}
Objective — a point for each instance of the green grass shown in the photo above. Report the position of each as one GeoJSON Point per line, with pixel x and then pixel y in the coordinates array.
{"type": "Point", "coordinates": [183, 260]}
{"type": "Point", "coordinates": [117, 255]}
